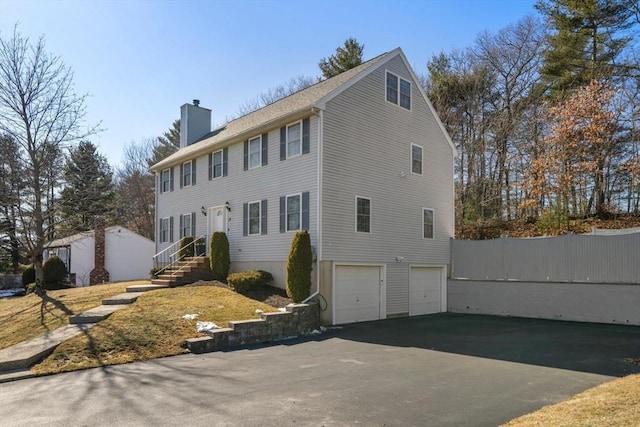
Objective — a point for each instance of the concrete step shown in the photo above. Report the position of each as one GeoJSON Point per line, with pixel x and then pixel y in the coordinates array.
{"type": "Point", "coordinates": [121, 299]}
{"type": "Point", "coordinates": [95, 314]}
{"type": "Point", "coordinates": [26, 353]}
{"type": "Point", "coordinates": [146, 288]}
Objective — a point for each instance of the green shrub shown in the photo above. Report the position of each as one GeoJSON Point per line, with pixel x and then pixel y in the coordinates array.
{"type": "Point", "coordinates": [299, 266]}
{"type": "Point", "coordinates": [220, 260]}
{"type": "Point", "coordinates": [249, 280]}
{"type": "Point", "coordinates": [54, 274]}
{"type": "Point", "coordinates": [30, 288]}
{"type": "Point", "coordinates": [28, 276]}
{"type": "Point", "coordinates": [186, 247]}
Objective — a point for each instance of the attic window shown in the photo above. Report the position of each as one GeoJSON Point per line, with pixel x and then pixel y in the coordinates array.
{"type": "Point", "coordinates": [398, 91]}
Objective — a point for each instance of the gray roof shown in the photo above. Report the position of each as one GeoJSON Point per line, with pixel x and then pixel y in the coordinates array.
{"type": "Point", "coordinates": [66, 241]}
{"type": "Point", "coordinates": [270, 114]}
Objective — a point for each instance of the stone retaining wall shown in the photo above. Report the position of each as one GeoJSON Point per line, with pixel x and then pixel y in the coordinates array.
{"type": "Point", "coordinates": [299, 319]}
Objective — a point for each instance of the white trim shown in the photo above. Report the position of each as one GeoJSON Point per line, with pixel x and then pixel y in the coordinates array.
{"type": "Point", "coordinates": [421, 159]}
{"type": "Point", "coordinates": [213, 164]}
{"type": "Point", "coordinates": [286, 213]}
{"type": "Point", "coordinates": [383, 287]}
{"type": "Point", "coordinates": [433, 224]}
{"type": "Point", "coordinates": [356, 214]}
{"type": "Point", "coordinates": [249, 233]}
{"type": "Point", "coordinates": [397, 76]}
{"type": "Point", "coordinates": [183, 174]}
{"type": "Point", "coordinates": [319, 199]}
{"type": "Point", "coordinates": [286, 139]}
{"type": "Point", "coordinates": [443, 284]}
{"type": "Point", "coordinates": [249, 167]}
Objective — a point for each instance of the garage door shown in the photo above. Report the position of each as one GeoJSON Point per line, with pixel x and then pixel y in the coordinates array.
{"type": "Point", "coordinates": [425, 290]}
{"type": "Point", "coordinates": [357, 293]}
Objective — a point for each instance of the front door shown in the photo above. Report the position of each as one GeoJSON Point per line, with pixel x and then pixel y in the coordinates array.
{"type": "Point", "coordinates": [217, 218]}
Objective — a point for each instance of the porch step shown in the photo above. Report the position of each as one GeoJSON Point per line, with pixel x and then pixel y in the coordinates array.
{"type": "Point", "coordinates": [146, 288]}
{"type": "Point", "coordinates": [187, 270]}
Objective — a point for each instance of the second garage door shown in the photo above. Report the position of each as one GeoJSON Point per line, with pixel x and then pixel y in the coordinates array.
{"type": "Point", "coordinates": [426, 286]}
{"type": "Point", "coordinates": [357, 291]}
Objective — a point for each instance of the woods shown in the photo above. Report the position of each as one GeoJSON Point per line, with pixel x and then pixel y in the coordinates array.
{"type": "Point", "coordinates": [542, 114]}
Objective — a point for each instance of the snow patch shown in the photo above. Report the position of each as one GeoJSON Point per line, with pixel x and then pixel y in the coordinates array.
{"type": "Point", "coordinates": [258, 311]}
{"type": "Point", "coordinates": [190, 316]}
{"type": "Point", "coordinates": [206, 326]}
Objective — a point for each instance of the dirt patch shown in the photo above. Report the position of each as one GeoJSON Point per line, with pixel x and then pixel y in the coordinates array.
{"type": "Point", "coordinates": [275, 297]}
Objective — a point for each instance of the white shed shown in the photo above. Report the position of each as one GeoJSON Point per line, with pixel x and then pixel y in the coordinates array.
{"type": "Point", "coordinates": [127, 255]}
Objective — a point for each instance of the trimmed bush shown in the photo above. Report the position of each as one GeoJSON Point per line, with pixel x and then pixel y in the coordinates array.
{"type": "Point", "coordinates": [299, 266]}
{"type": "Point", "coordinates": [249, 280]}
{"type": "Point", "coordinates": [55, 274]}
{"type": "Point", "coordinates": [186, 247]}
{"type": "Point", "coordinates": [28, 276]}
{"type": "Point", "coordinates": [220, 260]}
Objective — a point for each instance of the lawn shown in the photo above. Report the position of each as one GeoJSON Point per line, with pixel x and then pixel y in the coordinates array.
{"type": "Point", "coordinates": [27, 317]}
{"type": "Point", "coordinates": [612, 404]}
{"type": "Point", "coordinates": [152, 327]}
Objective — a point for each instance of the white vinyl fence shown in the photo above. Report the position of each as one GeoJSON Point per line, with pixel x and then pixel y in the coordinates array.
{"type": "Point", "coordinates": [571, 258]}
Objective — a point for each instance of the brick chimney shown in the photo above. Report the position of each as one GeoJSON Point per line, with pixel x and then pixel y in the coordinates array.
{"type": "Point", "coordinates": [99, 274]}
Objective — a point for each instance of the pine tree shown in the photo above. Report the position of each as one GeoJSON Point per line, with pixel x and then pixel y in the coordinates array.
{"type": "Point", "coordinates": [88, 189]}
{"type": "Point", "coordinates": [344, 59]}
{"type": "Point", "coordinates": [167, 144]}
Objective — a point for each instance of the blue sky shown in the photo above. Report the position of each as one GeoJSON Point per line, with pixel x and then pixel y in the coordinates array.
{"type": "Point", "coordinates": [141, 60]}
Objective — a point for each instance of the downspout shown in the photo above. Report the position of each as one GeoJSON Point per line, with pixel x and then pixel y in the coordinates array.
{"type": "Point", "coordinates": [320, 114]}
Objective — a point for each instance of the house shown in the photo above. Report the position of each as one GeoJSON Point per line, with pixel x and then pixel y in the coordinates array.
{"type": "Point", "coordinates": [360, 160]}
{"type": "Point", "coordinates": [103, 255]}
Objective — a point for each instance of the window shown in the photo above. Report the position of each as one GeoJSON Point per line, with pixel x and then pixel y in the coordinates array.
{"type": "Point", "coordinates": [427, 223]}
{"type": "Point", "coordinates": [363, 215]}
{"type": "Point", "coordinates": [165, 231]}
{"type": "Point", "coordinates": [416, 159]}
{"type": "Point", "coordinates": [294, 140]}
{"type": "Point", "coordinates": [165, 181]}
{"type": "Point", "coordinates": [293, 212]}
{"type": "Point", "coordinates": [255, 152]}
{"type": "Point", "coordinates": [186, 174]}
{"type": "Point", "coordinates": [254, 218]}
{"type": "Point", "coordinates": [398, 91]}
{"type": "Point", "coordinates": [186, 226]}
{"type": "Point", "coordinates": [217, 164]}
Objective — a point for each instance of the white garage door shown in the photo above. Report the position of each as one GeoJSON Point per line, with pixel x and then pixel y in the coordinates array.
{"type": "Point", "coordinates": [357, 293]}
{"type": "Point", "coordinates": [426, 286]}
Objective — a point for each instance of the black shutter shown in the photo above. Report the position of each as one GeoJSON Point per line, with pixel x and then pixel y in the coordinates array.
{"type": "Point", "coordinates": [193, 225]}
{"type": "Point", "coordinates": [160, 231]}
{"type": "Point", "coordinates": [283, 214]}
{"type": "Point", "coordinates": [170, 229]}
{"type": "Point", "coordinates": [181, 175]}
{"type": "Point", "coordinates": [160, 183]}
{"type": "Point", "coordinates": [305, 210]}
{"type": "Point", "coordinates": [263, 216]}
{"type": "Point", "coordinates": [193, 172]}
{"type": "Point", "coordinates": [245, 219]}
{"type": "Point", "coordinates": [283, 143]}
{"type": "Point", "coordinates": [225, 168]}
{"type": "Point", "coordinates": [171, 180]}
{"type": "Point", "coordinates": [181, 227]}
{"type": "Point", "coordinates": [210, 166]}
{"type": "Point", "coordinates": [306, 130]}
{"type": "Point", "coordinates": [265, 148]}
{"type": "Point", "coordinates": [246, 155]}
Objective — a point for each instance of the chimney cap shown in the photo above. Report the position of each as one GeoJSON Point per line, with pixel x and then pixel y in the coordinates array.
{"type": "Point", "coordinates": [196, 102]}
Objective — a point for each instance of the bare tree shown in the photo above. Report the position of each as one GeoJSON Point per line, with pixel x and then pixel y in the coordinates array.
{"type": "Point", "coordinates": [274, 94]}
{"type": "Point", "coordinates": [41, 112]}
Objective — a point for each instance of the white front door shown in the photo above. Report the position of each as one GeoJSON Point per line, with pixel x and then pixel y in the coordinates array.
{"type": "Point", "coordinates": [217, 220]}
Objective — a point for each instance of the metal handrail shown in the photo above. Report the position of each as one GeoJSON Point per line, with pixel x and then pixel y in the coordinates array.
{"type": "Point", "coordinates": [174, 257]}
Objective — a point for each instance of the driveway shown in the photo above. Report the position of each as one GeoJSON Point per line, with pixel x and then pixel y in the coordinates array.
{"type": "Point", "coordinates": [440, 370]}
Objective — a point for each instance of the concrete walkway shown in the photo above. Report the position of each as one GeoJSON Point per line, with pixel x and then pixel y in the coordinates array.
{"type": "Point", "coordinates": [16, 360]}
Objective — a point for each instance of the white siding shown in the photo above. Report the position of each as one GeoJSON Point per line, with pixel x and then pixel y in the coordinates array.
{"type": "Point", "coordinates": [277, 178]}
{"type": "Point", "coordinates": [82, 257]}
{"type": "Point", "coordinates": [367, 152]}
{"type": "Point", "coordinates": [128, 256]}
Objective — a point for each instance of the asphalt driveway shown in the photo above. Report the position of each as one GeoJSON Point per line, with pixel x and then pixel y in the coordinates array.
{"type": "Point", "coordinates": [428, 371]}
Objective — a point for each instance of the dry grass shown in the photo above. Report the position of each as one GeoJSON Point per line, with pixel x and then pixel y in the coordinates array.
{"type": "Point", "coordinates": [27, 317]}
{"type": "Point", "coordinates": [612, 404]}
{"type": "Point", "coordinates": [152, 327]}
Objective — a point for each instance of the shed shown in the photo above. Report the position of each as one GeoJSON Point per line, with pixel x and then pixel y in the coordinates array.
{"type": "Point", "coordinates": [127, 255]}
